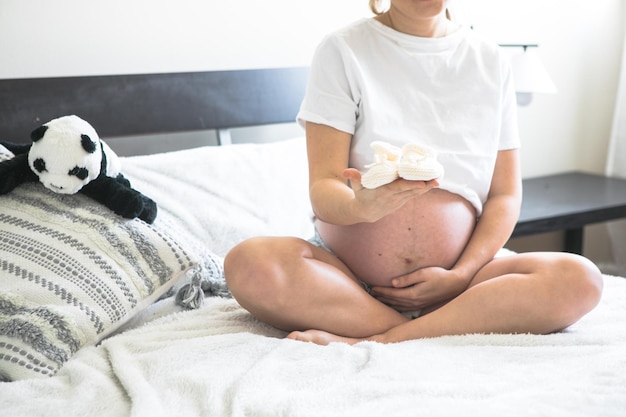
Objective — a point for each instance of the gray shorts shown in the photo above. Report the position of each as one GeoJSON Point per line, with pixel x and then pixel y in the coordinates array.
{"type": "Point", "coordinates": [317, 240]}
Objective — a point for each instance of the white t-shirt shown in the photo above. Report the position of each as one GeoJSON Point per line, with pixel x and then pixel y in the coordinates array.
{"type": "Point", "coordinates": [454, 94]}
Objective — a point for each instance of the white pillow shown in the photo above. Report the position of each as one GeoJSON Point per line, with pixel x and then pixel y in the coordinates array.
{"type": "Point", "coordinates": [225, 194]}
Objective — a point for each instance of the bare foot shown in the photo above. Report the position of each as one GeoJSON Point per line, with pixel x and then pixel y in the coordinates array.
{"type": "Point", "coordinates": [321, 337]}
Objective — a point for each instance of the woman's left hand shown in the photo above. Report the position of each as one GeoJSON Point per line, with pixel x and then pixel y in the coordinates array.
{"type": "Point", "coordinates": [422, 288]}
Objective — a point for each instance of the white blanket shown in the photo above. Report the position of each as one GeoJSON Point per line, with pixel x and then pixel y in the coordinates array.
{"type": "Point", "coordinates": [220, 361]}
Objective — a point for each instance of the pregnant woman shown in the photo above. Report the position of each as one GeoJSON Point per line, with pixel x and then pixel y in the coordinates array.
{"type": "Point", "coordinates": [410, 259]}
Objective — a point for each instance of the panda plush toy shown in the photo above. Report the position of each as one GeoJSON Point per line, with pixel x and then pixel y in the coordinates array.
{"type": "Point", "coordinates": [67, 157]}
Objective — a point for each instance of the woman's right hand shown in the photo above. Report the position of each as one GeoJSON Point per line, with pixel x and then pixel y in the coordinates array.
{"type": "Point", "coordinates": [374, 204]}
{"type": "Point", "coordinates": [333, 201]}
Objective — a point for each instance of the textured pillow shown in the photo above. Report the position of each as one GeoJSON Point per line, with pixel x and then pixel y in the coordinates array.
{"type": "Point", "coordinates": [71, 272]}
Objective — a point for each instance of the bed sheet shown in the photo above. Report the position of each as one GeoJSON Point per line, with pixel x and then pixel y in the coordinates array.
{"type": "Point", "coordinates": [220, 361]}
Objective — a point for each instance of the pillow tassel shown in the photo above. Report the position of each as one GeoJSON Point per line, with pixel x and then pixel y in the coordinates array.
{"type": "Point", "coordinates": [191, 295]}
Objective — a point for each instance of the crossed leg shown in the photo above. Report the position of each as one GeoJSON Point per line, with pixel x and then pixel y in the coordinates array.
{"type": "Point", "coordinates": [294, 285]}
{"type": "Point", "coordinates": [301, 288]}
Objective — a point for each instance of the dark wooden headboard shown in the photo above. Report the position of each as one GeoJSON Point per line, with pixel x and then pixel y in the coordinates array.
{"type": "Point", "coordinates": [123, 105]}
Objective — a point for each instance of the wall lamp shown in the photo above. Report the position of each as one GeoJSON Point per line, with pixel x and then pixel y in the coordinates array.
{"type": "Point", "coordinates": [529, 74]}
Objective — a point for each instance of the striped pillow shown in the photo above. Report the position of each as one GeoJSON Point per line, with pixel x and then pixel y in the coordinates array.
{"type": "Point", "coordinates": [71, 272]}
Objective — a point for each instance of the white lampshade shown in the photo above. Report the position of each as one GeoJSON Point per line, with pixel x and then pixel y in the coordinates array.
{"type": "Point", "coordinates": [529, 74]}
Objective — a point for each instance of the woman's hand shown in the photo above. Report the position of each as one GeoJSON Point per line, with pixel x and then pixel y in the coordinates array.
{"type": "Point", "coordinates": [374, 204]}
{"type": "Point", "coordinates": [333, 201]}
{"type": "Point", "coordinates": [422, 288]}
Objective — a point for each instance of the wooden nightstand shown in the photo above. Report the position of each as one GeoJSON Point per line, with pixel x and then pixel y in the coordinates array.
{"type": "Point", "coordinates": [568, 202]}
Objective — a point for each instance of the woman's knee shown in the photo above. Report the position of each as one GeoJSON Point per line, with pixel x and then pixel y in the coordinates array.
{"type": "Point", "coordinates": [245, 262]}
{"type": "Point", "coordinates": [584, 278]}
{"type": "Point", "coordinates": [569, 285]}
{"type": "Point", "coordinates": [573, 284]}
{"type": "Point", "coordinates": [255, 267]}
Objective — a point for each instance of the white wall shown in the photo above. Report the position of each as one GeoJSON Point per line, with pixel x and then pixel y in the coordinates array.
{"type": "Point", "coordinates": [580, 44]}
{"type": "Point", "coordinates": [93, 37]}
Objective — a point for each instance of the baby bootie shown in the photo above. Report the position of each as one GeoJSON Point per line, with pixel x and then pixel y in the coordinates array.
{"type": "Point", "coordinates": [419, 163]}
{"type": "Point", "coordinates": [385, 167]}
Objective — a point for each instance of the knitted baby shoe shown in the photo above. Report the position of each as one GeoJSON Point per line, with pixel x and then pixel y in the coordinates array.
{"type": "Point", "coordinates": [385, 167]}
{"type": "Point", "coordinates": [419, 163]}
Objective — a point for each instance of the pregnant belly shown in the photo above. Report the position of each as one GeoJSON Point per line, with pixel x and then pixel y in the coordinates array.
{"type": "Point", "coordinates": [431, 230]}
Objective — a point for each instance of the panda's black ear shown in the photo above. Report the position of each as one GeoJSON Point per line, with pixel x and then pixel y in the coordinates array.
{"type": "Point", "coordinates": [88, 144]}
{"type": "Point", "coordinates": [38, 133]}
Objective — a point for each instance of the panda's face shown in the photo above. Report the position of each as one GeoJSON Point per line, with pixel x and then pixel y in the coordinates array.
{"type": "Point", "coordinates": [65, 154]}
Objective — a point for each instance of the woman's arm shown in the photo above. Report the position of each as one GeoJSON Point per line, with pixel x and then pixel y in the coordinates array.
{"type": "Point", "coordinates": [500, 214]}
{"type": "Point", "coordinates": [328, 151]}
{"type": "Point", "coordinates": [336, 202]}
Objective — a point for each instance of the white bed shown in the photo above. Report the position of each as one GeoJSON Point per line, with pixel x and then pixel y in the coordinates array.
{"type": "Point", "coordinates": [217, 360]}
